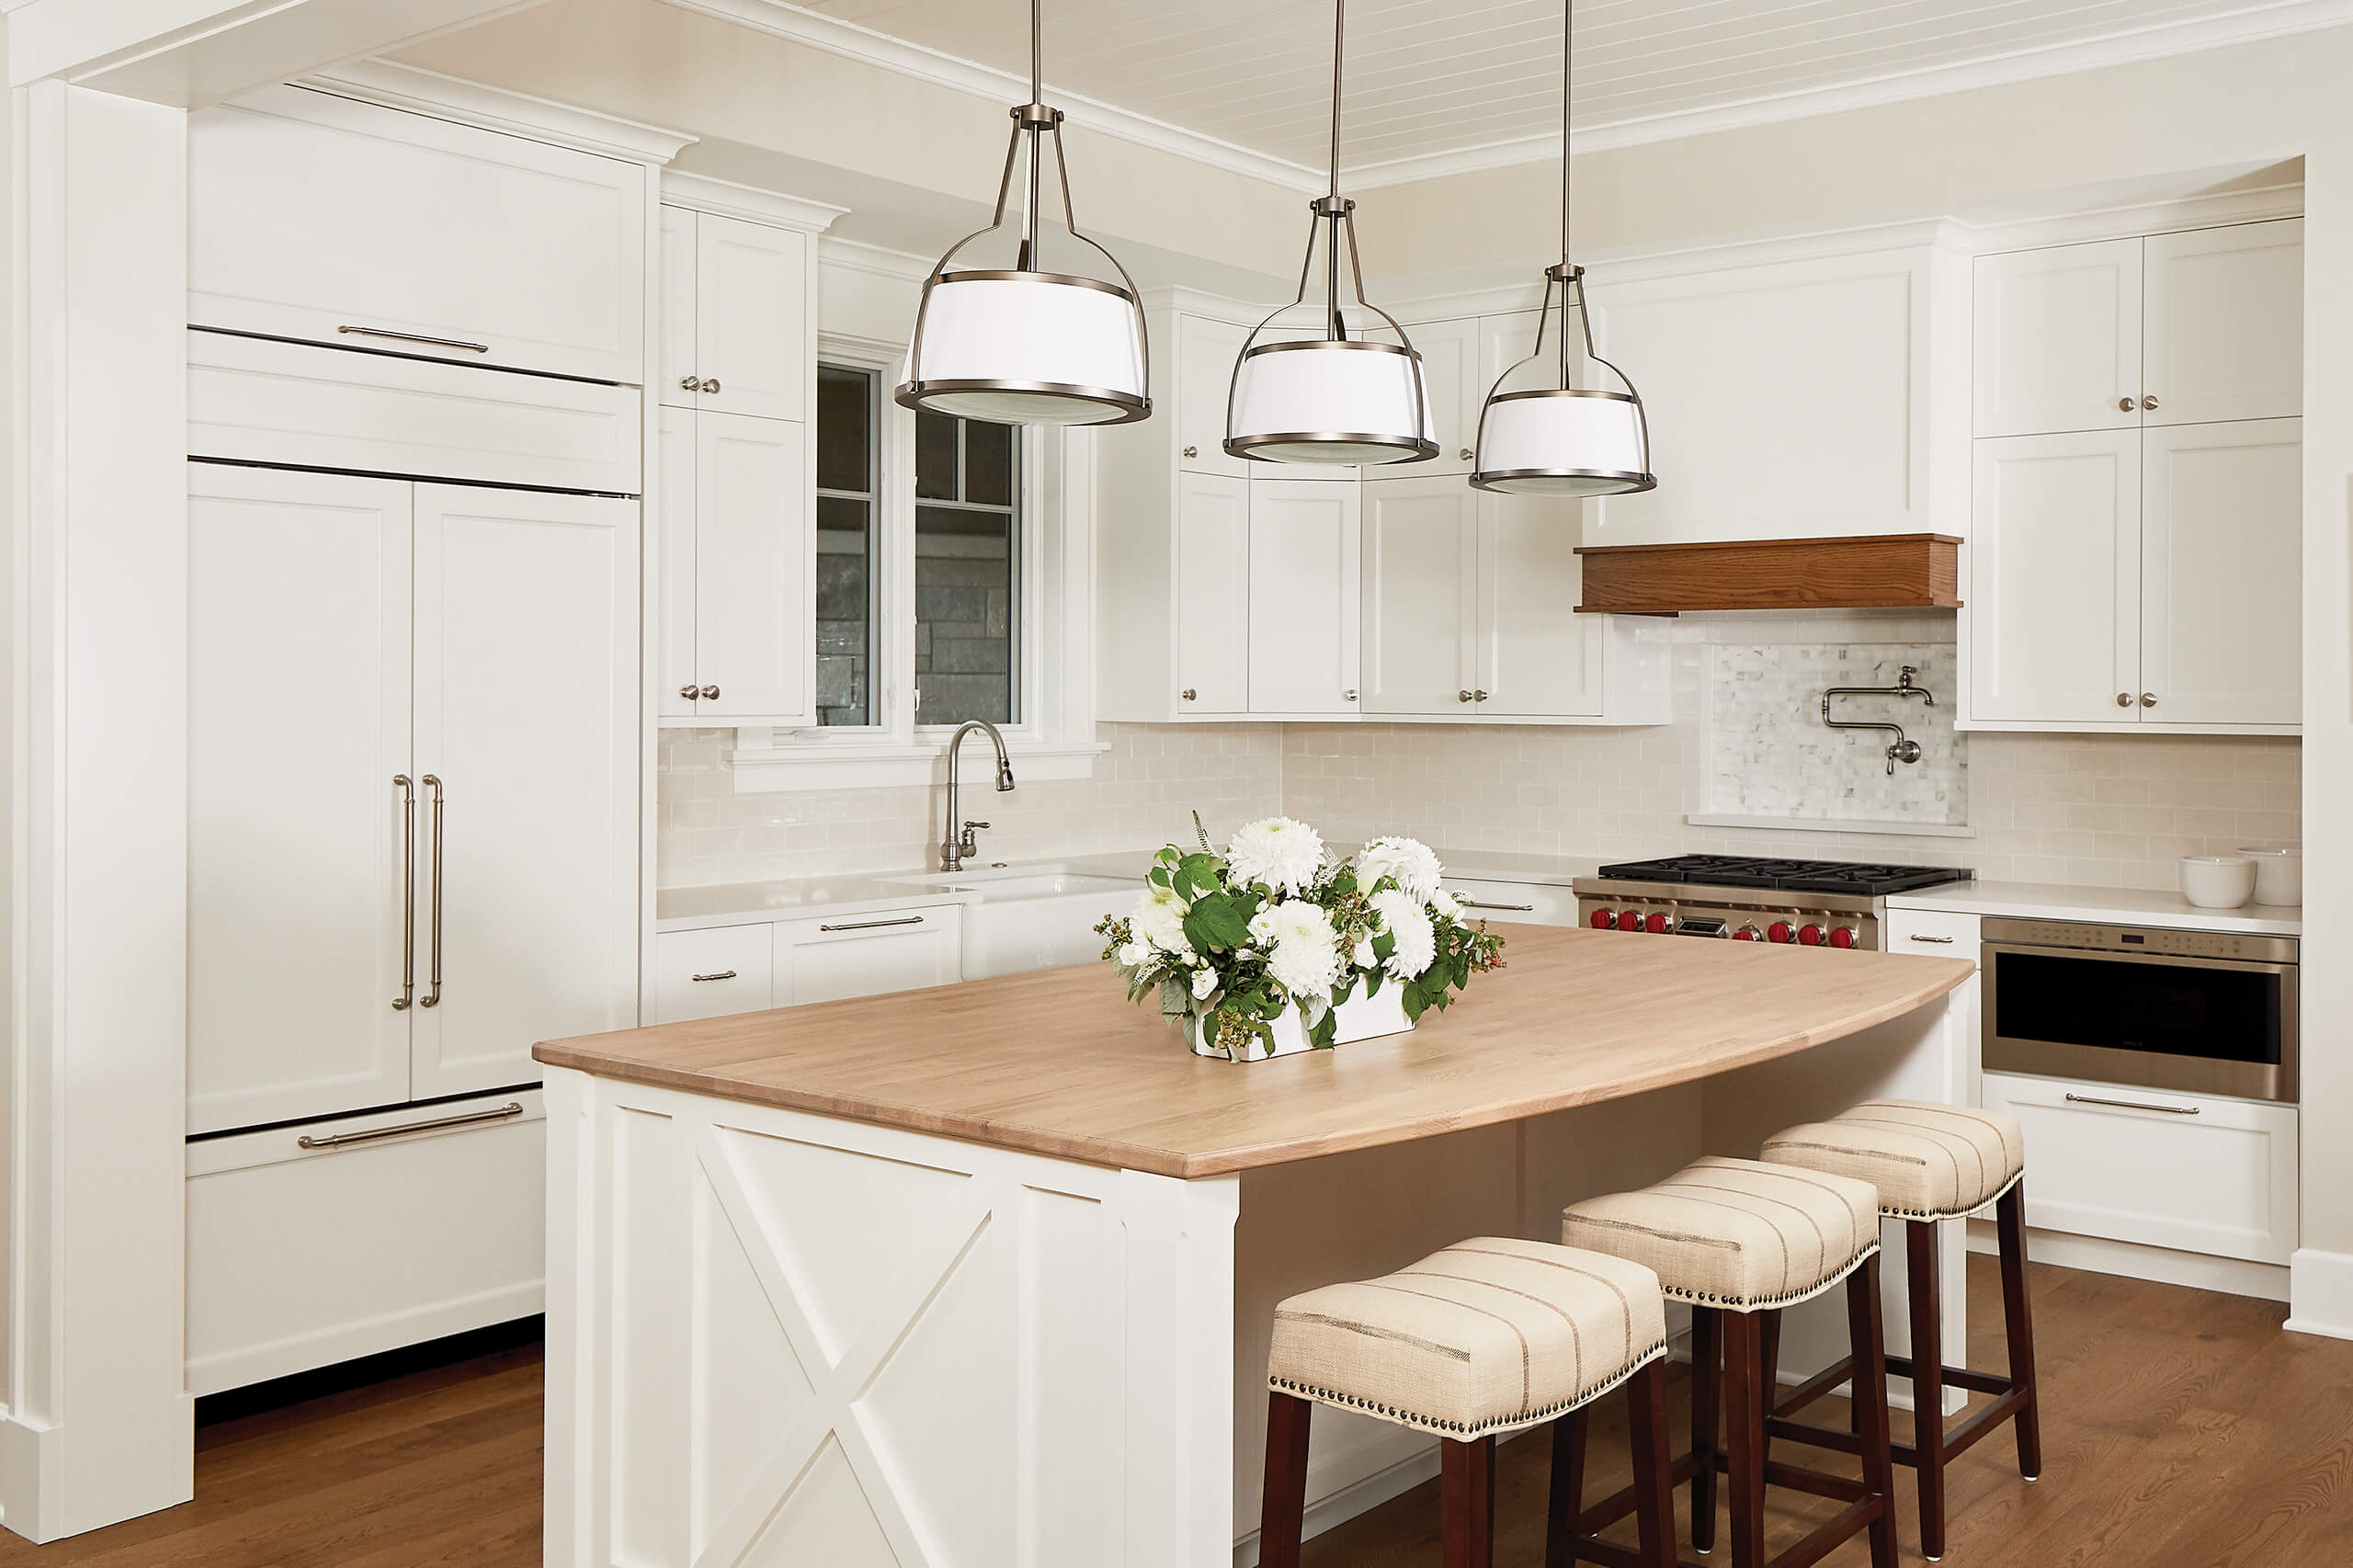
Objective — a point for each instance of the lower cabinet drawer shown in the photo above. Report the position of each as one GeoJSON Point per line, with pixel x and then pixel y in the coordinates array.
{"type": "Point", "coordinates": [2191, 1172]}
{"type": "Point", "coordinates": [1529, 903]}
{"type": "Point", "coordinates": [1938, 933]}
{"type": "Point", "coordinates": [299, 1257]}
{"type": "Point", "coordinates": [711, 972]}
{"type": "Point", "coordinates": [865, 955]}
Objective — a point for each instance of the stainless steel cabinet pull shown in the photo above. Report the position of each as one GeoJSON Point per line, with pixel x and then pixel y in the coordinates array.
{"type": "Point", "coordinates": [1350, 695]}
{"type": "Point", "coordinates": [1916, 937]}
{"type": "Point", "coordinates": [2124, 699]}
{"type": "Point", "coordinates": [416, 337]}
{"type": "Point", "coordinates": [1483, 904]}
{"type": "Point", "coordinates": [688, 383]}
{"type": "Point", "coordinates": [689, 693]}
{"type": "Point", "coordinates": [345, 1139]}
{"type": "Point", "coordinates": [873, 925]}
{"type": "Point", "coordinates": [712, 385]}
{"type": "Point", "coordinates": [722, 974]}
{"type": "Point", "coordinates": [1463, 456]}
{"type": "Point", "coordinates": [2134, 1104]}
{"type": "Point", "coordinates": [2148, 700]}
{"type": "Point", "coordinates": [2148, 403]}
{"type": "Point", "coordinates": [711, 691]}
{"type": "Point", "coordinates": [1478, 696]}
{"type": "Point", "coordinates": [1464, 696]}
{"type": "Point", "coordinates": [408, 893]}
{"type": "Point", "coordinates": [1192, 451]}
{"type": "Point", "coordinates": [1187, 694]}
{"type": "Point", "coordinates": [433, 979]}
{"type": "Point", "coordinates": [2125, 403]}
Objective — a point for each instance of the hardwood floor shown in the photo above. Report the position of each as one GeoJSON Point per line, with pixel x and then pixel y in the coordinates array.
{"type": "Point", "coordinates": [2180, 1430]}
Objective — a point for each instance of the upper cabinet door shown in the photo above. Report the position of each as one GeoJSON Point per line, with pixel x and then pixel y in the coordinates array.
{"type": "Point", "coordinates": [527, 677]}
{"type": "Point", "coordinates": [1538, 658]}
{"type": "Point", "coordinates": [2058, 339]}
{"type": "Point", "coordinates": [752, 318]}
{"type": "Point", "coordinates": [316, 217]}
{"type": "Point", "coordinates": [677, 383]}
{"type": "Point", "coordinates": [1421, 564]}
{"type": "Point", "coordinates": [2054, 580]}
{"type": "Point", "coordinates": [297, 690]}
{"type": "Point", "coordinates": [1212, 594]}
{"type": "Point", "coordinates": [679, 694]}
{"type": "Point", "coordinates": [1305, 587]}
{"type": "Point", "coordinates": [1449, 351]}
{"type": "Point", "coordinates": [2225, 324]}
{"type": "Point", "coordinates": [1205, 352]}
{"type": "Point", "coordinates": [2221, 552]}
{"type": "Point", "coordinates": [756, 607]}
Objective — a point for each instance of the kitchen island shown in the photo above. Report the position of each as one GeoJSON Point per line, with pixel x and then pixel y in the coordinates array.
{"type": "Point", "coordinates": [983, 1274]}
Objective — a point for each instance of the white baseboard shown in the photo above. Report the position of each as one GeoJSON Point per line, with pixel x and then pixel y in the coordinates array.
{"type": "Point", "coordinates": [2320, 1293]}
{"type": "Point", "coordinates": [2163, 1266]}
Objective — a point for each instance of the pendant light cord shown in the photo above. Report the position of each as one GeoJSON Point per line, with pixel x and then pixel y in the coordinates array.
{"type": "Point", "coordinates": [1339, 55]}
{"type": "Point", "coordinates": [1037, 55]}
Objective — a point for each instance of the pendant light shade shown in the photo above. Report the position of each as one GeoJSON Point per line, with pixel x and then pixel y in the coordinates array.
{"type": "Point", "coordinates": [1553, 437]}
{"type": "Point", "coordinates": [1331, 398]}
{"type": "Point", "coordinates": [1022, 345]}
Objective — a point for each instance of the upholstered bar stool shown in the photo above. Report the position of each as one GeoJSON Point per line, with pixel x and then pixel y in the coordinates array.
{"type": "Point", "coordinates": [1931, 1163]}
{"type": "Point", "coordinates": [1474, 1342]}
{"type": "Point", "coordinates": [1739, 1241]}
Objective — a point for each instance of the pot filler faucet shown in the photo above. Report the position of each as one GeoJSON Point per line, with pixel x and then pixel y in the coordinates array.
{"type": "Point", "coordinates": [1902, 749]}
{"type": "Point", "coordinates": [957, 846]}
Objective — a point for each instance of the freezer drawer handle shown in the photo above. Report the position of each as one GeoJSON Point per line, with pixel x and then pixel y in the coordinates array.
{"type": "Point", "coordinates": [345, 1139]}
{"type": "Point", "coordinates": [416, 337]}
{"type": "Point", "coordinates": [722, 974]}
{"type": "Point", "coordinates": [2135, 1105]}
{"type": "Point", "coordinates": [1483, 904]}
{"type": "Point", "coordinates": [873, 925]}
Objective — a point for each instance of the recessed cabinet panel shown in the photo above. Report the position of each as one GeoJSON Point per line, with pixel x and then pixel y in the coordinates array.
{"type": "Point", "coordinates": [1306, 573]}
{"type": "Point", "coordinates": [2058, 339]}
{"type": "Point", "coordinates": [2221, 546]}
{"type": "Point", "coordinates": [1206, 351]}
{"type": "Point", "coordinates": [2055, 579]}
{"type": "Point", "coordinates": [1449, 351]}
{"type": "Point", "coordinates": [677, 460]}
{"type": "Point", "coordinates": [525, 711]}
{"type": "Point", "coordinates": [711, 972]}
{"type": "Point", "coordinates": [678, 382]}
{"type": "Point", "coordinates": [1421, 548]}
{"type": "Point", "coordinates": [754, 559]}
{"type": "Point", "coordinates": [752, 318]}
{"type": "Point", "coordinates": [1212, 594]}
{"type": "Point", "coordinates": [1537, 655]}
{"type": "Point", "coordinates": [2225, 331]}
{"type": "Point", "coordinates": [866, 955]}
{"type": "Point", "coordinates": [298, 604]}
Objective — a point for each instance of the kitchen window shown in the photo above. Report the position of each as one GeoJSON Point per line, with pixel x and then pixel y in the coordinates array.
{"type": "Point", "coordinates": [849, 530]}
{"type": "Point", "coordinates": [968, 571]}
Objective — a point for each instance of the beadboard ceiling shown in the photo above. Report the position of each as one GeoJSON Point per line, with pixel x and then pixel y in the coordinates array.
{"type": "Point", "coordinates": [1442, 84]}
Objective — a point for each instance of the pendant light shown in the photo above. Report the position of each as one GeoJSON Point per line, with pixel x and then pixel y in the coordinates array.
{"type": "Point", "coordinates": [1333, 399]}
{"type": "Point", "coordinates": [1022, 345]}
{"type": "Point", "coordinates": [1563, 439]}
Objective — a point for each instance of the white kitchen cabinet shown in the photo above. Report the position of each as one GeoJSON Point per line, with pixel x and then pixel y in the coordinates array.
{"type": "Point", "coordinates": [1304, 574]}
{"type": "Point", "coordinates": [1526, 903]}
{"type": "Point", "coordinates": [320, 219]}
{"type": "Point", "coordinates": [738, 315]}
{"type": "Point", "coordinates": [1199, 369]}
{"type": "Point", "coordinates": [2058, 339]}
{"type": "Point", "coordinates": [833, 959]}
{"type": "Point", "coordinates": [2223, 323]}
{"type": "Point", "coordinates": [1213, 589]}
{"type": "Point", "coordinates": [2222, 628]}
{"type": "Point", "coordinates": [2196, 1173]}
{"type": "Point", "coordinates": [1451, 363]}
{"type": "Point", "coordinates": [1504, 342]}
{"type": "Point", "coordinates": [2054, 580]}
{"type": "Point", "coordinates": [739, 570]}
{"type": "Point", "coordinates": [1534, 656]}
{"type": "Point", "coordinates": [1421, 596]}
{"type": "Point", "coordinates": [711, 972]}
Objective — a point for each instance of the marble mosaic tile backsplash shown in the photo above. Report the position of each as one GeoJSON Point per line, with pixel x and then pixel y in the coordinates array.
{"type": "Point", "coordinates": [1769, 755]}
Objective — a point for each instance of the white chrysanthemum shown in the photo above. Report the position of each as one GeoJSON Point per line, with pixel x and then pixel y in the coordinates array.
{"type": "Point", "coordinates": [1134, 955]}
{"type": "Point", "coordinates": [1409, 860]}
{"type": "Point", "coordinates": [1416, 943]}
{"type": "Point", "coordinates": [1204, 981]}
{"type": "Point", "coordinates": [1159, 920]}
{"type": "Point", "coordinates": [1305, 950]}
{"type": "Point", "coordinates": [1283, 854]}
{"type": "Point", "coordinates": [1444, 905]}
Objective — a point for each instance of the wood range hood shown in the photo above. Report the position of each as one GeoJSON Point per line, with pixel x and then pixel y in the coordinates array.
{"type": "Point", "coordinates": [1856, 572]}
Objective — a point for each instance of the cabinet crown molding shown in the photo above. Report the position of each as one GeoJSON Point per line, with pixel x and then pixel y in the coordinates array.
{"type": "Point", "coordinates": [420, 91]}
{"type": "Point", "coordinates": [729, 200]}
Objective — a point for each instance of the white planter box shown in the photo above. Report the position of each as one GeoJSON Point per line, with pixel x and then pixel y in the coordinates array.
{"type": "Point", "coordinates": [1360, 1018]}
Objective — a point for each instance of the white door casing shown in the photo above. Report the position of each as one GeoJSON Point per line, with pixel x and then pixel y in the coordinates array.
{"type": "Point", "coordinates": [1305, 589]}
{"type": "Point", "coordinates": [2221, 540]}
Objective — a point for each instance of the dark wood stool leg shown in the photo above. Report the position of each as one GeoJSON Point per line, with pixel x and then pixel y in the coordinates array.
{"type": "Point", "coordinates": [1282, 1516]}
{"type": "Point", "coordinates": [1769, 1330]}
{"type": "Point", "coordinates": [1568, 1490]}
{"type": "Point", "coordinates": [2009, 1213]}
{"type": "Point", "coordinates": [1707, 1324]}
{"type": "Point", "coordinates": [1744, 1436]}
{"type": "Point", "coordinates": [1869, 1349]}
{"type": "Point", "coordinates": [1467, 1503]}
{"type": "Point", "coordinates": [1653, 1481]}
{"type": "Point", "coordinates": [1927, 1380]}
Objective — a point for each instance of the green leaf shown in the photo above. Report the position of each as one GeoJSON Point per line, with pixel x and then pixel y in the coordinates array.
{"type": "Point", "coordinates": [1384, 946]}
{"type": "Point", "coordinates": [1414, 1001]}
{"type": "Point", "coordinates": [1176, 998]}
{"type": "Point", "coordinates": [1215, 924]}
{"type": "Point", "coordinates": [1196, 875]}
{"type": "Point", "coordinates": [1320, 1036]}
{"type": "Point", "coordinates": [1373, 981]}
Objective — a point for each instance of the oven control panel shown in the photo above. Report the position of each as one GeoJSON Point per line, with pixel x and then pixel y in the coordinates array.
{"type": "Point", "coordinates": [2155, 940]}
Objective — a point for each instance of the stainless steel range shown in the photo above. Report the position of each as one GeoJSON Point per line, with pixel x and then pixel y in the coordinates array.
{"type": "Point", "coordinates": [1748, 898]}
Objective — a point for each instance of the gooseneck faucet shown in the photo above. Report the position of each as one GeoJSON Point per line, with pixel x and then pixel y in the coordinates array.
{"type": "Point", "coordinates": [957, 846]}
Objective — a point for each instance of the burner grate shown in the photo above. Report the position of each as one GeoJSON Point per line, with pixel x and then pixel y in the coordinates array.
{"type": "Point", "coordinates": [1790, 875]}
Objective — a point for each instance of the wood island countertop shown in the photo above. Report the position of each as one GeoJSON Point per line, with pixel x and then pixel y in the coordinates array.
{"type": "Point", "coordinates": [1058, 1062]}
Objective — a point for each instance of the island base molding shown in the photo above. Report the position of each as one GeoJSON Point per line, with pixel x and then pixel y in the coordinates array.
{"type": "Point", "coordinates": [2320, 1293]}
{"type": "Point", "coordinates": [782, 1337]}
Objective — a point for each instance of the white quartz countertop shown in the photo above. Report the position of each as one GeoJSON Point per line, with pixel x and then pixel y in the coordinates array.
{"type": "Point", "coordinates": [794, 898]}
{"type": "Point", "coordinates": [2114, 906]}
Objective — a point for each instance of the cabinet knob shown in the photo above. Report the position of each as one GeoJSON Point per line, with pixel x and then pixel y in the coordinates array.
{"type": "Point", "coordinates": [2125, 403]}
{"type": "Point", "coordinates": [1464, 455]}
{"type": "Point", "coordinates": [688, 383]}
{"type": "Point", "coordinates": [712, 385]}
{"type": "Point", "coordinates": [1192, 451]}
{"type": "Point", "coordinates": [1464, 696]}
{"type": "Point", "coordinates": [2148, 403]}
{"type": "Point", "coordinates": [1350, 695]}
{"type": "Point", "coordinates": [2124, 699]}
{"type": "Point", "coordinates": [1187, 694]}
{"type": "Point", "coordinates": [690, 693]}
{"type": "Point", "coordinates": [2148, 700]}
{"type": "Point", "coordinates": [711, 691]}
{"type": "Point", "coordinates": [1478, 696]}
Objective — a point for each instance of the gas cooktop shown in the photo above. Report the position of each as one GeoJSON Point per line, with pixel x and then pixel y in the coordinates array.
{"type": "Point", "coordinates": [1793, 876]}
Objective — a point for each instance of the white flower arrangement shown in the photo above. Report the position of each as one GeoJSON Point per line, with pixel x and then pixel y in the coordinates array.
{"type": "Point", "coordinates": [1233, 942]}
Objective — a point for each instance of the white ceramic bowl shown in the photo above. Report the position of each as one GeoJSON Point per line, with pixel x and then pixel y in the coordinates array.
{"type": "Point", "coordinates": [2278, 872]}
{"type": "Point", "coordinates": [2217, 882]}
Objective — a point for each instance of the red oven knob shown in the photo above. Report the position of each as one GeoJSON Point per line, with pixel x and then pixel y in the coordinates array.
{"type": "Point", "coordinates": [1604, 921]}
{"type": "Point", "coordinates": [1810, 936]}
{"type": "Point", "coordinates": [1844, 937]}
{"type": "Point", "coordinates": [1629, 920]}
{"type": "Point", "coordinates": [1747, 934]}
{"type": "Point", "coordinates": [1658, 923]}
{"type": "Point", "coordinates": [1779, 932]}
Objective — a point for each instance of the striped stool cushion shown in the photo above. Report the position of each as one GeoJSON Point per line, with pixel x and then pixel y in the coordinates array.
{"type": "Point", "coordinates": [1486, 1335]}
{"type": "Point", "coordinates": [1930, 1162]}
{"type": "Point", "coordinates": [1738, 1235]}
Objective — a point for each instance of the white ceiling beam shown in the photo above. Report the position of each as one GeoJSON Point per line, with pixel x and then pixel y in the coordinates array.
{"type": "Point", "coordinates": [187, 53]}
